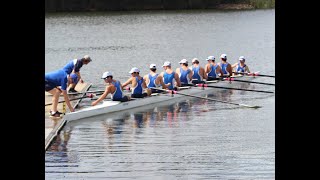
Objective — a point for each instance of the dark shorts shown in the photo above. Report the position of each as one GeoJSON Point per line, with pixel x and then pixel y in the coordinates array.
{"type": "Point", "coordinates": [183, 85]}
{"type": "Point", "coordinates": [156, 91]}
{"type": "Point", "coordinates": [123, 99]}
{"type": "Point", "coordinates": [197, 82]}
{"type": "Point", "coordinates": [212, 78]}
{"type": "Point", "coordinates": [48, 86]}
{"type": "Point", "coordinates": [139, 95]}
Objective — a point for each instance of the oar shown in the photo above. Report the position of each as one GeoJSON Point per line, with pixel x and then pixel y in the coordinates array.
{"type": "Point", "coordinates": [87, 96]}
{"type": "Point", "coordinates": [234, 79]}
{"type": "Point", "coordinates": [206, 85]}
{"type": "Point", "coordinates": [85, 92]}
{"type": "Point", "coordinates": [175, 92]}
{"type": "Point", "coordinates": [256, 74]}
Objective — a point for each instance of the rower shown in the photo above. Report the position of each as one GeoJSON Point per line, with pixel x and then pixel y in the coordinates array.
{"type": "Point", "coordinates": [212, 69]}
{"type": "Point", "coordinates": [56, 82]}
{"type": "Point", "coordinates": [74, 66]}
{"type": "Point", "coordinates": [241, 67]}
{"type": "Point", "coordinates": [198, 72]}
{"type": "Point", "coordinates": [153, 80]}
{"type": "Point", "coordinates": [225, 66]}
{"type": "Point", "coordinates": [185, 74]}
{"type": "Point", "coordinates": [138, 84]}
{"type": "Point", "coordinates": [113, 87]}
{"type": "Point", "coordinates": [169, 76]}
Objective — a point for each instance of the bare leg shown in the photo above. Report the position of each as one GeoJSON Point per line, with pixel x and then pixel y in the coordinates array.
{"type": "Point", "coordinates": [55, 98]}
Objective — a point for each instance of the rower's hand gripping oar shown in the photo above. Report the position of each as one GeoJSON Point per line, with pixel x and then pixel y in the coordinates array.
{"type": "Point", "coordinates": [239, 104]}
{"type": "Point", "coordinates": [206, 85]}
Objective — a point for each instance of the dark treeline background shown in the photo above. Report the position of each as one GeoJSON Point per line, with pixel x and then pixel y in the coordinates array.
{"type": "Point", "coordinates": [118, 5]}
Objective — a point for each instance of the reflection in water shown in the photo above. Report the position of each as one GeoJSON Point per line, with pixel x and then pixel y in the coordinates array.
{"type": "Point", "coordinates": [61, 141]}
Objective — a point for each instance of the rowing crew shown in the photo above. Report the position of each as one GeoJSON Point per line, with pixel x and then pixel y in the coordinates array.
{"type": "Point", "coordinates": [169, 79]}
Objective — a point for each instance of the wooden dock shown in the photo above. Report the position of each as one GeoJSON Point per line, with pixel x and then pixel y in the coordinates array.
{"type": "Point", "coordinates": [53, 125]}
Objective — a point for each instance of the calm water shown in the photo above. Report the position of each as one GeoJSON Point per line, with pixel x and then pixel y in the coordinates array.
{"type": "Point", "coordinates": [190, 139]}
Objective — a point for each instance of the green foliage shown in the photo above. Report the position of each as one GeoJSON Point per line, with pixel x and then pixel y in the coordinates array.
{"type": "Point", "coordinates": [261, 4]}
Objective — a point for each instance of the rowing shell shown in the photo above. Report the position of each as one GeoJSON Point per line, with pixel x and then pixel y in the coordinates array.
{"type": "Point", "coordinates": [109, 106]}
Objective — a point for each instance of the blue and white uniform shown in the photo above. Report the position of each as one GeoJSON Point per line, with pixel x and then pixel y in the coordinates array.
{"type": "Point", "coordinates": [184, 78]}
{"type": "Point", "coordinates": [213, 73]}
{"type": "Point", "coordinates": [224, 69]}
{"type": "Point", "coordinates": [56, 78]}
{"type": "Point", "coordinates": [136, 91]}
{"type": "Point", "coordinates": [169, 78]}
{"type": "Point", "coordinates": [118, 94]}
{"type": "Point", "coordinates": [196, 73]}
{"type": "Point", "coordinates": [152, 83]}
{"type": "Point", "coordinates": [75, 64]}
{"type": "Point", "coordinates": [241, 69]}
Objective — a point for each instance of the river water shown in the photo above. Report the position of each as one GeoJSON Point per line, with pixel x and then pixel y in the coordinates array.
{"type": "Point", "coordinates": [190, 139]}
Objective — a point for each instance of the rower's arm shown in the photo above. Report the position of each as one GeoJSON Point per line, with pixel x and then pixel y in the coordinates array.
{"type": "Point", "coordinates": [203, 73]}
{"type": "Point", "coordinates": [129, 81]}
{"type": "Point", "coordinates": [144, 85]}
{"type": "Point", "coordinates": [234, 65]}
{"type": "Point", "coordinates": [229, 69]}
{"type": "Point", "coordinates": [67, 100]}
{"type": "Point", "coordinates": [190, 74]}
{"type": "Point", "coordinates": [247, 69]}
{"type": "Point", "coordinates": [207, 69]}
{"type": "Point", "coordinates": [220, 71]}
{"type": "Point", "coordinates": [176, 77]}
{"type": "Point", "coordinates": [104, 95]}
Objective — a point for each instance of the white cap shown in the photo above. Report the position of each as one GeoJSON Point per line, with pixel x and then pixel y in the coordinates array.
{"type": "Point", "coordinates": [87, 57]}
{"type": "Point", "coordinates": [224, 56]}
{"type": "Point", "coordinates": [167, 63]}
{"type": "Point", "coordinates": [211, 58]}
{"type": "Point", "coordinates": [154, 66]}
{"type": "Point", "coordinates": [241, 58]}
{"type": "Point", "coordinates": [183, 61]}
{"type": "Point", "coordinates": [195, 59]}
{"type": "Point", "coordinates": [106, 74]}
{"type": "Point", "coordinates": [134, 70]}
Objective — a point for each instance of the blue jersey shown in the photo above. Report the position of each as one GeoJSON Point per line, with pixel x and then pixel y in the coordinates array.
{"type": "Point", "coordinates": [184, 78]}
{"type": "Point", "coordinates": [169, 78]}
{"type": "Point", "coordinates": [224, 68]}
{"type": "Point", "coordinates": [152, 81]}
{"type": "Point", "coordinates": [196, 73]}
{"type": "Point", "coordinates": [118, 93]}
{"type": "Point", "coordinates": [57, 78]}
{"type": "Point", "coordinates": [213, 73]}
{"type": "Point", "coordinates": [241, 69]}
{"type": "Point", "coordinates": [138, 88]}
{"type": "Point", "coordinates": [74, 64]}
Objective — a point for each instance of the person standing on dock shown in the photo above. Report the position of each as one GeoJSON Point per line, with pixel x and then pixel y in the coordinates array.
{"type": "Point", "coordinates": [241, 67]}
{"type": "Point", "coordinates": [56, 82]}
{"type": "Point", "coordinates": [114, 88]}
{"type": "Point", "coordinates": [212, 69]}
{"type": "Point", "coordinates": [169, 76]}
{"type": "Point", "coordinates": [225, 66]}
{"type": "Point", "coordinates": [138, 84]}
{"type": "Point", "coordinates": [153, 80]}
{"type": "Point", "coordinates": [185, 74]}
{"type": "Point", "coordinates": [74, 66]}
{"type": "Point", "coordinates": [198, 72]}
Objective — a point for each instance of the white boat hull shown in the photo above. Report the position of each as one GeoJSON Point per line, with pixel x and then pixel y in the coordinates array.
{"type": "Point", "coordinates": [109, 106]}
